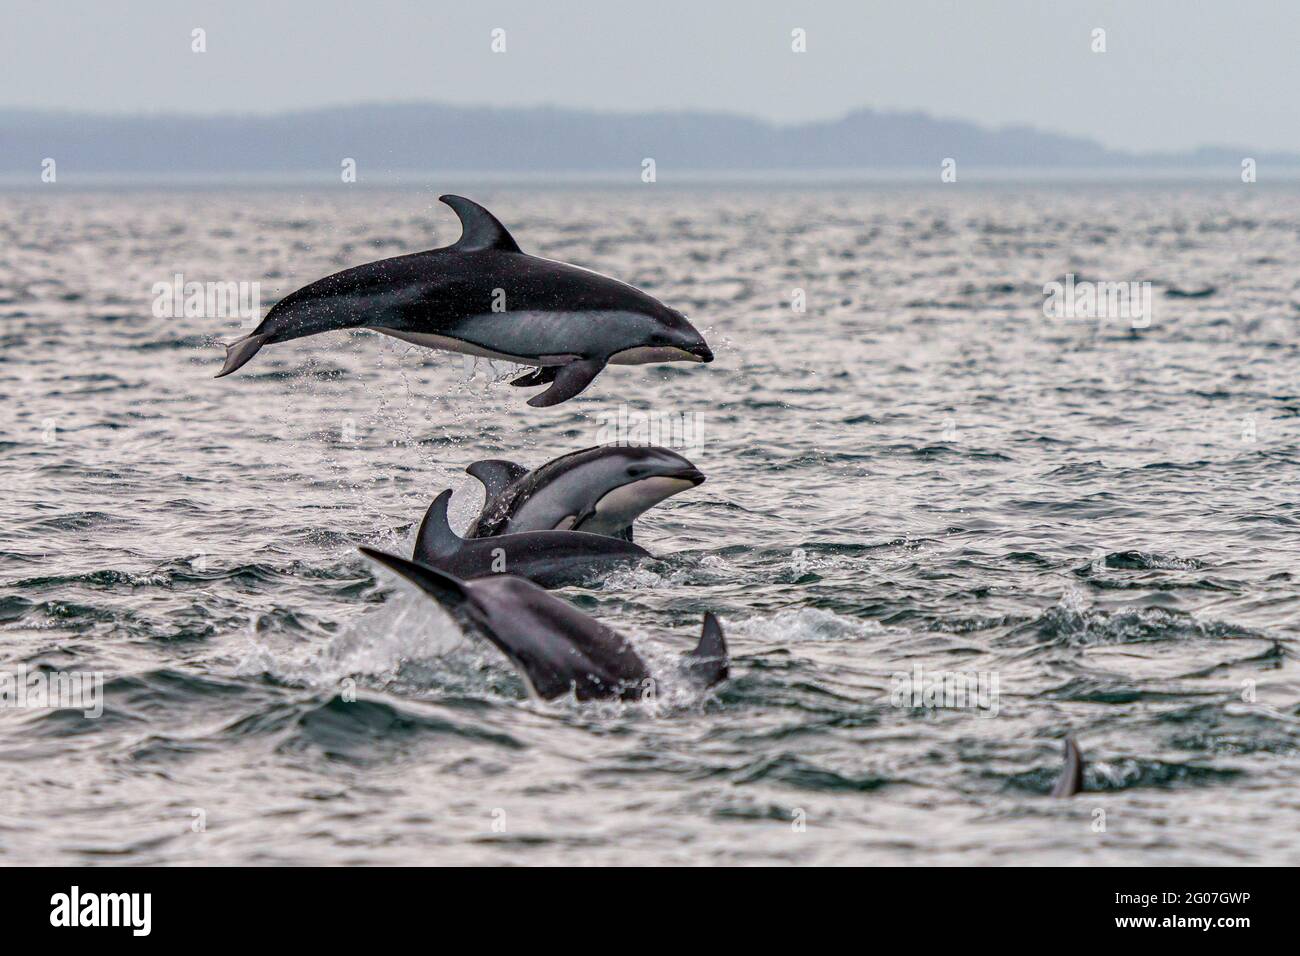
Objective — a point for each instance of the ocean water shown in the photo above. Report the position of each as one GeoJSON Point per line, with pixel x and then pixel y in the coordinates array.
{"type": "Point", "coordinates": [920, 469]}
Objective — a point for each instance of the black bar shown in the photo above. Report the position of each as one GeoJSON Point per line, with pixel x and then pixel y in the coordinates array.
{"type": "Point", "coordinates": [336, 906]}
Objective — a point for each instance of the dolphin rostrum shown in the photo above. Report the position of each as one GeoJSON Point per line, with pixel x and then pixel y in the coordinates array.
{"type": "Point", "coordinates": [1070, 781]}
{"type": "Point", "coordinates": [483, 296]}
{"type": "Point", "coordinates": [601, 490]}
{"type": "Point", "coordinates": [557, 648]}
{"type": "Point", "coordinates": [551, 559]}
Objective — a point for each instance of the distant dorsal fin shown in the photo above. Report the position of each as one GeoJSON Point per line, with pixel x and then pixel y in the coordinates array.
{"type": "Point", "coordinates": [480, 230]}
{"type": "Point", "coordinates": [1070, 781]}
{"type": "Point", "coordinates": [436, 539]}
{"type": "Point", "coordinates": [495, 474]}
{"type": "Point", "coordinates": [709, 662]}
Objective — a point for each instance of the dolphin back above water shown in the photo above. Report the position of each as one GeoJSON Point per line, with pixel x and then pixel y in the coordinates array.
{"type": "Point", "coordinates": [550, 559]}
{"type": "Point", "coordinates": [601, 490]}
{"type": "Point", "coordinates": [483, 296]}
{"type": "Point", "coordinates": [557, 648]}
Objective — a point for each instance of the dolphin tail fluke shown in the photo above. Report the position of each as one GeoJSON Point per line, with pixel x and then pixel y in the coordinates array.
{"type": "Point", "coordinates": [435, 539]}
{"type": "Point", "coordinates": [1071, 780]}
{"type": "Point", "coordinates": [240, 351]}
{"type": "Point", "coordinates": [448, 591]}
{"type": "Point", "coordinates": [569, 381]}
{"type": "Point", "coordinates": [709, 663]}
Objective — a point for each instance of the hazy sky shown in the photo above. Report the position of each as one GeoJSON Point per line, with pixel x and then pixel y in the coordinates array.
{"type": "Point", "coordinates": [1176, 74]}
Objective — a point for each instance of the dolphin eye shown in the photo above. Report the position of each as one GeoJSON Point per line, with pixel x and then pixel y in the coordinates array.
{"type": "Point", "coordinates": [636, 471]}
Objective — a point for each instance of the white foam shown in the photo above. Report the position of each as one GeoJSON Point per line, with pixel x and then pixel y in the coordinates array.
{"type": "Point", "coordinates": [797, 625]}
{"type": "Point", "coordinates": [407, 627]}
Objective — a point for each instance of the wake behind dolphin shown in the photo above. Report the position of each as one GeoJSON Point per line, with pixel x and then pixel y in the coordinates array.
{"type": "Point", "coordinates": [483, 296]}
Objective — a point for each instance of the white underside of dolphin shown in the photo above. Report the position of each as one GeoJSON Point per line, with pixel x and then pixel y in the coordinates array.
{"type": "Point", "coordinates": [445, 343]}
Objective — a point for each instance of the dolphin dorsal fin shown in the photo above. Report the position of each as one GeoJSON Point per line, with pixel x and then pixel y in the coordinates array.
{"type": "Point", "coordinates": [436, 539]}
{"type": "Point", "coordinates": [495, 474]}
{"type": "Point", "coordinates": [709, 661]}
{"type": "Point", "coordinates": [1070, 781]}
{"type": "Point", "coordinates": [480, 230]}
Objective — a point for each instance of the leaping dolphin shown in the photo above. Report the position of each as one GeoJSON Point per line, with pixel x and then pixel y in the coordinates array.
{"type": "Point", "coordinates": [600, 490]}
{"type": "Point", "coordinates": [483, 296]}
{"type": "Point", "coordinates": [557, 648]}
{"type": "Point", "coordinates": [551, 559]}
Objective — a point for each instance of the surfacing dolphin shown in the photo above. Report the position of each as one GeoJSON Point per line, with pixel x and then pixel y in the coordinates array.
{"type": "Point", "coordinates": [557, 648]}
{"type": "Point", "coordinates": [600, 490]}
{"type": "Point", "coordinates": [483, 296]}
{"type": "Point", "coordinates": [1070, 781]}
{"type": "Point", "coordinates": [551, 559]}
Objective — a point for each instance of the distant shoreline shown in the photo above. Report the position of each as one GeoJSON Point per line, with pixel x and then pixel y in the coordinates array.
{"type": "Point", "coordinates": [399, 144]}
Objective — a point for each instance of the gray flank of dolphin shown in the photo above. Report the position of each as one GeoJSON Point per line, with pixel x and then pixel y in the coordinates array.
{"type": "Point", "coordinates": [550, 559]}
{"type": "Point", "coordinates": [1070, 781]}
{"type": "Point", "coordinates": [555, 647]}
{"type": "Point", "coordinates": [601, 490]}
{"type": "Point", "coordinates": [483, 296]}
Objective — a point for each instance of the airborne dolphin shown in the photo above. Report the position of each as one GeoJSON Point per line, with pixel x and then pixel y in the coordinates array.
{"type": "Point", "coordinates": [483, 296]}
{"type": "Point", "coordinates": [600, 490]}
{"type": "Point", "coordinates": [550, 559]}
{"type": "Point", "coordinates": [557, 648]}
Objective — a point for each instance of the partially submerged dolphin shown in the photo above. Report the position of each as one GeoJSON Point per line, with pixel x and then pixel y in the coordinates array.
{"type": "Point", "coordinates": [557, 648]}
{"type": "Point", "coordinates": [600, 490]}
{"type": "Point", "coordinates": [483, 296]}
{"type": "Point", "coordinates": [550, 559]}
{"type": "Point", "coordinates": [1070, 781]}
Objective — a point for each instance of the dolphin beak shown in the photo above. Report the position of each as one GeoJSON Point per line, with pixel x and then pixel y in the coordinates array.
{"type": "Point", "coordinates": [693, 475]}
{"type": "Point", "coordinates": [702, 353]}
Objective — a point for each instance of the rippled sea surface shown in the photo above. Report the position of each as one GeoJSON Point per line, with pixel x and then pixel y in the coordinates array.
{"type": "Point", "coordinates": [920, 470]}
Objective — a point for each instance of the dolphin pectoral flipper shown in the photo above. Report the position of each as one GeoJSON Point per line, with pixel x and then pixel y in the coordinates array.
{"type": "Point", "coordinates": [538, 376]}
{"type": "Point", "coordinates": [1071, 780]}
{"type": "Point", "coordinates": [435, 539]}
{"type": "Point", "coordinates": [569, 381]}
{"type": "Point", "coordinates": [709, 662]}
{"type": "Point", "coordinates": [240, 351]}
